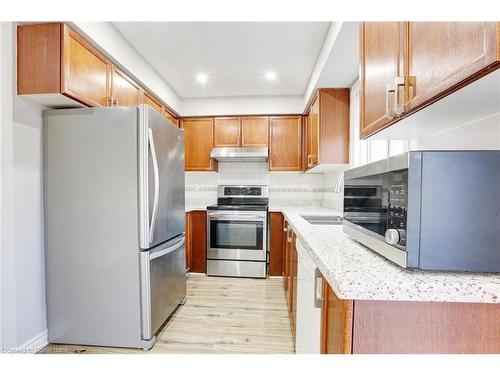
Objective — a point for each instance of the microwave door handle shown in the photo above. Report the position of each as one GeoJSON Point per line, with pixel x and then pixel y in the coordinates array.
{"type": "Point", "coordinates": [156, 174]}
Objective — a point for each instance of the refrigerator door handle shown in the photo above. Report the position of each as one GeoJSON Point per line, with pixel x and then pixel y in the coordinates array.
{"type": "Point", "coordinates": [156, 184]}
{"type": "Point", "coordinates": [163, 252]}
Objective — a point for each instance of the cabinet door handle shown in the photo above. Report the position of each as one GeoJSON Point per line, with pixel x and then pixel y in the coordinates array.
{"type": "Point", "coordinates": [318, 288]}
{"type": "Point", "coordinates": [112, 101]}
{"type": "Point", "coordinates": [389, 111]}
{"type": "Point", "coordinates": [398, 108]}
{"type": "Point", "coordinates": [288, 235]}
{"type": "Point", "coordinates": [309, 163]}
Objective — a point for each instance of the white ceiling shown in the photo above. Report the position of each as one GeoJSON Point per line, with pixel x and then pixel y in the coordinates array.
{"type": "Point", "coordinates": [234, 55]}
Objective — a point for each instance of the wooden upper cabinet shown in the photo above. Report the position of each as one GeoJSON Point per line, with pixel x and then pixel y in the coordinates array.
{"type": "Point", "coordinates": [152, 102]}
{"type": "Point", "coordinates": [58, 68]}
{"type": "Point", "coordinates": [408, 65]}
{"type": "Point", "coordinates": [85, 71]}
{"type": "Point", "coordinates": [53, 59]}
{"type": "Point", "coordinates": [254, 131]}
{"type": "Point", "coordinates": [227, 132]}
{"type": "Point", "coordinates": [198, 143]}
{"type": "Point", "coordinates": [441, 55]}
{"type": "Point", "coordinates": [124, 91]}
{"type": "Point", "coordinates": [381, 49]}
{"type": "Point", "coordinates": [285, 143]}
{"type": "Point", "coordinates": [170, 117]}
{"type": "Point", "coordinates": [327, 129]}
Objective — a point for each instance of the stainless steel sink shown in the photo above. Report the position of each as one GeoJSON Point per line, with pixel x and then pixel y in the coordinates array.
{"type": "Point", "coordinates": [322, 220]}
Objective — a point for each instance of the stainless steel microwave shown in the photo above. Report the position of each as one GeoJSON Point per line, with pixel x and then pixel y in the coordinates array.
{"type": "Point", "coordinates": [431, 210]}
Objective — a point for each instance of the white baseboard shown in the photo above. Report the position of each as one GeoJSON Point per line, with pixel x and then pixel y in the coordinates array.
{"type": "Point", "coordinates": [33, 345]}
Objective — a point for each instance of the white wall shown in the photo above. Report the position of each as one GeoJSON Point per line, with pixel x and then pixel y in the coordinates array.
{"type": "Point", "coordinates": [22, 257]}
{"type": "Point", "coordinates": [242, 105]}
{"type": "Point", "coordinates": [481, 134]}
{"type": "Point", "coordinates": [109, 39]}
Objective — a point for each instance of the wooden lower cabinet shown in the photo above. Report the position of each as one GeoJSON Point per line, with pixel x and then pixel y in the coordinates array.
{"type": "Point", "coordinates": [290, 278]}
{"type": "Point", "coordinates": [336, 323]}
{"type": "Point", "coordinates": [276, 244]}
{"type": "Point", "coordinates": [285, 264]}
{"type": "Point", "coordinates": [398, 327]}
{"type": "Point", "coordinates": [196, 241]}
{"type": "Point", "coordinates": [293, 286]}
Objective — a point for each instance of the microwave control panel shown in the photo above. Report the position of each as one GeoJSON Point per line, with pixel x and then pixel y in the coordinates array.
{"type": "Point", "coordinates": [396, 215]}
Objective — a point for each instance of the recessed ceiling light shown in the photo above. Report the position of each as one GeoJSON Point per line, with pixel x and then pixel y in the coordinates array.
{"type": "Point", "coordinates": [202, 78]}
{"type": "Point", "coordinates": [271, 76]}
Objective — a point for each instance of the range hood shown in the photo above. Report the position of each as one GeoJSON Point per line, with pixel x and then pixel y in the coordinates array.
{"type": "Point", "coordinates": [240, 153]}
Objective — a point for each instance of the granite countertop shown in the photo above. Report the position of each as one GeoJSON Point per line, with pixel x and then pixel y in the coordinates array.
{"type": "Point", "coordinates": [355, 272]}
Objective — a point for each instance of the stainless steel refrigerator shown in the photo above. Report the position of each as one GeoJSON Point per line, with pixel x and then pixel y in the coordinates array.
{"type": "Point", "coordinates": [114, 224]}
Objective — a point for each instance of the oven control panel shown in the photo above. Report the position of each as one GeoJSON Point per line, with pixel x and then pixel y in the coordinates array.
{"type": "Point", "coordinates": [238, 190]}
{"type": "Point", "coordinates": [243, 191]}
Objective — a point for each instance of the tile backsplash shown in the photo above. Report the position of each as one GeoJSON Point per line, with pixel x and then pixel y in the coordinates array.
{"type": "Point", "coordinates": [285, 188]}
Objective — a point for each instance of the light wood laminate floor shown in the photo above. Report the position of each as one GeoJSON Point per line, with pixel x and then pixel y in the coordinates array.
{"type": "Point", "coordinates": [221, 315]}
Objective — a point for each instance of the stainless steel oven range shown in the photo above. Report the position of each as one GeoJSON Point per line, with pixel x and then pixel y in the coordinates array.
{"type": "Point", "coordinates": [237, 232]}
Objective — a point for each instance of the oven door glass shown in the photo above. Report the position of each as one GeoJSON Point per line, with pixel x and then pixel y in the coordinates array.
{"type": "Point", "coordinates": [237, 235]}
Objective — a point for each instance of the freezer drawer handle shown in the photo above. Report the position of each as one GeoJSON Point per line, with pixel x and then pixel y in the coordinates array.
{"type": "Point", "coordinates": [163, 252]}
{"type": "Point", "coordinates": [157, 185]}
